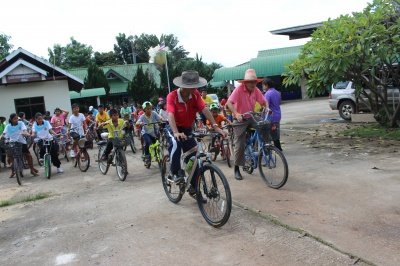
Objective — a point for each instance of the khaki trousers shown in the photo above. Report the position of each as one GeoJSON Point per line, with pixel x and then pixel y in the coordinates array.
{"type": "Point", "coordinates": [239, 130]}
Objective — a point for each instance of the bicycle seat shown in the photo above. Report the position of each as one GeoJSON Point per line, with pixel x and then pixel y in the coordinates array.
{"type": "Point", "coordinates": [104, 135]}
{"type": "Point", "coordinates": [101, 142]}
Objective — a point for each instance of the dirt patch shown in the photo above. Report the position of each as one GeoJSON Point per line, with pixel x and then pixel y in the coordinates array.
{"type": "Point", "coordinates": [330, 137]}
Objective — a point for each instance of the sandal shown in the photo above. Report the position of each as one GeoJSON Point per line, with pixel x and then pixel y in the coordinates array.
{"type": "Point", "coordinates": [12, 174]}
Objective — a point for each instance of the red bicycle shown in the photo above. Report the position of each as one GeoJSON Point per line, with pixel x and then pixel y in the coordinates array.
{"type": "Point", "coordinates": [221, 146]}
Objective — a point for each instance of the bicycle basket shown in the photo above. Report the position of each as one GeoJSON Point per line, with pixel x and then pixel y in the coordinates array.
{"type": "Point", "coordinates": [264, 129]}
{"type": "Point", "coordinates": [118, 143]}
{"type": "Point", "coordinates": [82, 143]}
{"type": "Point", "coordinates": [15, 149]}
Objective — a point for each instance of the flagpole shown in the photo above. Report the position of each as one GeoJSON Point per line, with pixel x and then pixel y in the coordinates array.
{"type": "Point", "coordinates": [166, 66]}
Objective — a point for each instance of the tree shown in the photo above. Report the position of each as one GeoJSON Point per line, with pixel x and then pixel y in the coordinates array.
{"type": "Point", "coordinates": [74, 54]}
{"type": "Point", "coordinates": [142, 87]}
{"type": "Point", "coordinates": [363, 48]}
{"type": "Point", "coordinates": [96, 78]}
{"type": "Point", "coordinates": [5, 46]}
{"type": "Point", "coordinates": [123, 48]}
{"type": "Point", "coordinates": [107, 59]}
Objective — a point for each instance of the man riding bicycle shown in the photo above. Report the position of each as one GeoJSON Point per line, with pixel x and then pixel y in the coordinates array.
{"type": "Point", "coordinates": [182, 106]}
{"type": "Point", "coordinates": [244, 99]}
{"type": "Point", "coordinates": [115, 124]}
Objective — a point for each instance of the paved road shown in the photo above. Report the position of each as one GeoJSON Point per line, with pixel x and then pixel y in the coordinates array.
{"type": "Point", "coordinates": [96, 219]}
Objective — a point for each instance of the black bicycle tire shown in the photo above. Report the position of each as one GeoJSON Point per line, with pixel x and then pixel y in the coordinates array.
{"type": "Point", "coordinates": [17, 170]}
{"type": "Point", "coordinates": [164, 171]}
{"type": "Point", "coordinates": [86, 167]}
{"type": "Point", "coordinates": [227, 153]}
{"type": "Point", "coordinates": [100, 154]}
{"type": "Point", "coordinates": [37, 154]}
{"type": "Point", "coordinates": [47, 164]}
{"type": "Point", "coordinates": [228, 195]}
{"type": "Point", "coordinates": [132, 143]}
{"type": "Point", "coordinates": [285, 166]}
{"type": "Point", "coordinates": [120, 158]}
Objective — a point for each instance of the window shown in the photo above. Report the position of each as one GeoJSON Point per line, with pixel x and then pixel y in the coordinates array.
{"type": "Point", "coordinates": [30, 106]}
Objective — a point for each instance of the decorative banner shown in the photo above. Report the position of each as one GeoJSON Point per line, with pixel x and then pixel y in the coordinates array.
{"type": "Point", "coordinates": [158, 54]}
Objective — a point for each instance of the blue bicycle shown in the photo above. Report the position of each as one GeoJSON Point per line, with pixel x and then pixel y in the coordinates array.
{"type": "Point", "coordinates": [261, 153]}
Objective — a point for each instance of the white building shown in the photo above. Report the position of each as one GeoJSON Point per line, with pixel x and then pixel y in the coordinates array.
{"type": "Point", "coordinates": [31, 84]}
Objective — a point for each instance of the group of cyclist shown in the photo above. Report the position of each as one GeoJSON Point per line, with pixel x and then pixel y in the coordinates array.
{"type": "Point", "coordinates": [178, 112]}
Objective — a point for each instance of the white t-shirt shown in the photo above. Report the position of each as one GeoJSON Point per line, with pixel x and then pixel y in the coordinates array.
{"type": "Point", "coordinates": [163, 114]}
{"type": "Point", "coordinates": [42, 131]}
{"type": "Point", "coordinates": [77, 123]}
{"type": "Point", "coordinates": [15, 132]}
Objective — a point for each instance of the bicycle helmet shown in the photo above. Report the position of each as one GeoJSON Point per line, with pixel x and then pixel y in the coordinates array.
{"type": "Point", "coordinates": [214, 106]}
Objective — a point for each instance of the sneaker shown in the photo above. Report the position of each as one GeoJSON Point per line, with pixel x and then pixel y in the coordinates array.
{"type": "Point", "coordinates": [180, 177]}
{"type": "Point", "coordinates": [60, 170]}
{"type": "Point", "coordinates": [192, 193]}
{"type": "Point", "coordinates": [72, 154]}
{"type": "Point", "coordinates": [41, 160]}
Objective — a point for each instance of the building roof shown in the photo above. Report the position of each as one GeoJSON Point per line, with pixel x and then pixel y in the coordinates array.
{"type": "Point", "coordinates": [85, 93]}
{"type": "Point", "coordinates": [298, 32]}
{"type": "Point", "coordinates": [118, 86]}
{"type": "Point", "coordinates": [270, 62]}
{"type": "Point", "coordinates": [128, 71]}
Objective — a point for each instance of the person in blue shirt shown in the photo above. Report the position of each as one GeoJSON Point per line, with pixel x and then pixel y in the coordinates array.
{"type": "Point", "coordinates": [42, 129]}
{"type": "Point", "coordinates": [273, 98]}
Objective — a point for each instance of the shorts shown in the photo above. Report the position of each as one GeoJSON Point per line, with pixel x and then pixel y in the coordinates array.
{"type": "Point", "coordinates": [75, 135]}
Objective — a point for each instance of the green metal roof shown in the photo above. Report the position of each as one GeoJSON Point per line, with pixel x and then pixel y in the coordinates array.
{"type": "Point", "coordinates": [117, 86]}
{"type": "Point", "coordinates": [230, 73]}
{"type": "Point", "coordinates": [268, 63]}
{"type": "Point", "coordinates": [280, 51]}
{"type": "Point", "coordinates": [126, 71]}
{"type": "Point", "coordinates": [85, 93]}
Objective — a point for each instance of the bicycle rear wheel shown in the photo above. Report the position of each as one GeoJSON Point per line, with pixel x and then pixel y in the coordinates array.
{"type": "Point", "coordinates": [132, 143]}
{"type": "Point", "coordinates": [121, 165]}
{"type": "Point", "coordinates": [103, 165]}
{"type": "Point", "coordinates": [83, 160]}
{"type": "Point", "coordinates": [36, 150]}
{"type": "Point", "coordinates": [273, 166]}
{"type": "Point", "coordinates": [47, 166]}
{"type": "Point", "coordinates": [173, 191]}
{"type": "Point", "coordinates": [17, 164]}
{"type": "Point", "coordinates": [227, 154]}
{"type": "Point", "coordinates": [213, 188]}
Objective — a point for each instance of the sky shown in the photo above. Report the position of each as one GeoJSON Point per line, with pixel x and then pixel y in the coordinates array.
{"type": "Point", "coordinates": [229, 32]}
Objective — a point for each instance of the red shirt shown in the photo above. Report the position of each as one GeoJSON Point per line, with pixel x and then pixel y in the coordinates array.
{"type": "Point", "coordinates": [184, 113]}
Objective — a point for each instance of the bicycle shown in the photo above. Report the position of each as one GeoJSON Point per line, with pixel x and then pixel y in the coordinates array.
{"type": "Point", "coordinates": [116, 158]}
{"type": "Point", "coordinates": [46, 157]}
{"type": "Point", "coordinates": [82, 158]}
{"type": "Point", "coordinates": [211, 184]}
{"type": "Point", "coordinates": [63, 144]}
{"type": "Point", "coordinates": [129, 139]}
{"type": "Point", "coordinates": [270, 161]}
{"type": "Point", "coordinates": [221, 146]}
{"type": "Point", "coordinates": [155, 149]}
{"type": "Point", "coordinates": [15, 150]}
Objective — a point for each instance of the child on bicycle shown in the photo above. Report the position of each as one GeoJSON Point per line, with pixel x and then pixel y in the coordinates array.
{"type": "Point", "coordinates": [76, 128]}
{"type": "Point", "coordinates": [149, 132]}
{"type": "Point", "coordinates": [16, 131]}
{"type": "Point", "coordinates": [114, 125]}
{"type": "Point", "coordinates": [219, 118]}
{"type": "Point", "coordinates": [42, 129]}
{"type": "Point", "coordinates": [129, 124]}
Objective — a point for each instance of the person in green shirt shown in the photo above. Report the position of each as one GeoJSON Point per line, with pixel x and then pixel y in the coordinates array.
{"type": "Point", "coordinates": [125, 109]}
{"type": "Point", "coordinates": [2, 151]}
{"type": "Point", "coordinates": [2, 125]}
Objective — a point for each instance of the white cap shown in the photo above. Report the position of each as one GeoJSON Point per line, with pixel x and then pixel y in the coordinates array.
{"type": "Point", "coordinates": [90, 108]}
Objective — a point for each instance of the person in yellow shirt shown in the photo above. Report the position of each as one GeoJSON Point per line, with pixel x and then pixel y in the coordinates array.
{"type": "Point", "coordinates": [101, 117]}
{"type": "Point", "coordinates": [206, 98]}
{"type": "Point", "coordinates": [114, 125]}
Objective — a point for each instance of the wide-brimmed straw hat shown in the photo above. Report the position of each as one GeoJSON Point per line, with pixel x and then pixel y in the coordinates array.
{"type": "Point", "coordinates": [250, 75]}
{"type": "Point", "coordinates": [190, 79]}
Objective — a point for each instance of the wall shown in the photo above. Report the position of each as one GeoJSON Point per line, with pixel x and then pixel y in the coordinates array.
{"type": "Point", "coordinates": [55, 93]}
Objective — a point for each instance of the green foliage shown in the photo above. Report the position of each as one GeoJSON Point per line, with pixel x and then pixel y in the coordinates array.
{"type": "Point", "coordinates": [142, 87]}
{"type": "Point", "coordinates": [38, 196]}
{"type": "Point", "coordinates": [5, 46]}
{"type": "Point", "coordinates": [123, 48]}
{"type": "Point", "coordinates": [107, 59]}
{"type": "Point", "coordinates": [96, 79]}
{"type": "Point", "coordinates": [363, 48]}
{"type": "Point", "coordinates": [74, 54]}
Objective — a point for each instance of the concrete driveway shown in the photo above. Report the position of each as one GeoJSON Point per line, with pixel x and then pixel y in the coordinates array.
{"type": "Point", "coordinates": [347, 203]}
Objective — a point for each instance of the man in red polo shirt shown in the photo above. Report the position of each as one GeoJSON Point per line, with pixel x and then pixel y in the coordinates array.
{"type": "Point", "coordinates": [182, 106]}
{"type": "Point", "coordinates": [242, 100]}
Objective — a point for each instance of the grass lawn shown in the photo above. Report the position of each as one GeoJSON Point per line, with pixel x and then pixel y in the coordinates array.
{"type": "Point", "coordinates": [373, 131]}
{"type": "Point", "coordinates": [29, 198]}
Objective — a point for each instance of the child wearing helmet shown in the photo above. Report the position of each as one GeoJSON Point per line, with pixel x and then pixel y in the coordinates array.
{"type": "Point", "coordinates": [218, 116]}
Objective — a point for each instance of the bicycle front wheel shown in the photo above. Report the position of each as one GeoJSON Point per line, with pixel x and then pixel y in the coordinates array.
{"type": "Point", "coordinates": [83, 160]}
{"type": "Point", "coordinates": [214, 196]}
{"type": "Point", "coordinates": [47, 166]}
{"type": "Point", "coordinates": [132, 143]}
{"type": "Point", "coordinates": [173, 191]}
{"type": "Point", "coordinates": [121, 165]}
{"type": "Point", "coordinates": [17, 164]}
{"type": "Point", "coordinates": [273, 166]}
{"type": "Point", "coordinates": [103, 165]}
{"type": "Point", "coordinates": [36, 150]}
{"type": "Point", "coordinates": [227, 154]}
